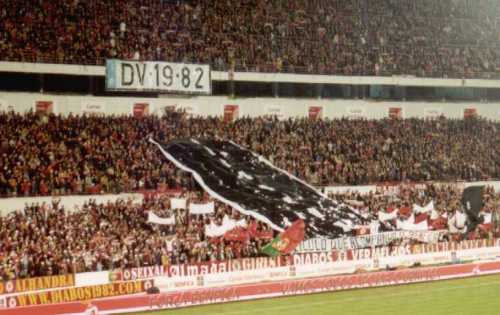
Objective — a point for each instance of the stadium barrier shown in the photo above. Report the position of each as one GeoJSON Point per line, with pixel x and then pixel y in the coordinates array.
{"type": "Point", "coordinates": [205, 106]}
{"type": "Point", "coordinates": [214, 275]}
{"type": "Point", "coordinates": [390, 187]}
{"type": "Point", "coordinates": [70, 203]}
{"type": "Point", "coordinates": [397, 80]}
{"type": "Point", "coordinates": [185, 298]}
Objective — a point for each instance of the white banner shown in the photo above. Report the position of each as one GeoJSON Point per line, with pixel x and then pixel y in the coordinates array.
{"type": "Point", "coordinates": [214, 230]}
{"type": "Point", "coordinates": [202, 208]}
{"type": "Point", "coordinates": [123, 75]}
{"type": "Point", "coordinates": [410, 225]}
{"type": "Point", "coordinates": [426, 209]}
{"type": "Point", "coordinates": [91, 278]}
{"type": "Point", "coordinates": [153, 218]}
{"type": "Point", "coordinates": [367, 241]}
{"type": "Point", "coordinates": [383, 216]}
{"type": "Point", "coordinates": [178, 203]}
{"type": "Point", "coordinates": [71, 203]}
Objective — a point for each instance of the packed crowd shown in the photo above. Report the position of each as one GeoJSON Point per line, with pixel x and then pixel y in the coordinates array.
{"type": "Point", "coordinates": [46, 239]}
{"type": "Point", "coordinates": [448, 38]}
{"type": "Point", "coordinates": [55, 155]}
{"type": "Point", "coordinates": [446, 200]}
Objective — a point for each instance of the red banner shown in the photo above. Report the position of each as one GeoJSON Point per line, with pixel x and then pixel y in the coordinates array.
{"type": "Point", "coordinates": [470, 112]}
{"type": "Point", "coordinates": [198, 269]}
{"type": "Point", "coordinates": [231, 112]}
{"type": "Point", "coordinates": [315, 112]}
{"type": "Point", "coordinates": [44, 107]}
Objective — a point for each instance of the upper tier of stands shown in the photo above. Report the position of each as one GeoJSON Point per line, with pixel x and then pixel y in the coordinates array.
{"type": "Point", "coordinates": [427, 38]}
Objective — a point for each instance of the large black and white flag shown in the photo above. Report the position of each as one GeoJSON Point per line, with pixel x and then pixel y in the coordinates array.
{"type": "Point", "coordinates": [252, 185]}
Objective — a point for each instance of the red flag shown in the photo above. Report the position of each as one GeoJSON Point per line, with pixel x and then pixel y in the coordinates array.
{"type": "Point", "coordinates": [264, 235]}
{"type": "Point", "coordinates": [439, 224]}
{"type": "Point", "coordinates": [252, 229]}
{"type": "Point", "coordinates": [485, 227]}
{"type": "Point", "coordinates": [421, 217]}
{"type": "Point", "coordinates": [293, 236]}
{"type": "Point", "coordinates": [238, 234]}
{"type": "Point", "coordinates": [405, 211]}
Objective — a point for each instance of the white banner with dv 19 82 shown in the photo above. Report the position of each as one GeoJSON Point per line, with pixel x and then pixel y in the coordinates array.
{"type": "Point", "coordinates": [155, 76]}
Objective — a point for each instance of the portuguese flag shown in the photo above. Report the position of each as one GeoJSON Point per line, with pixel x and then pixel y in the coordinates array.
{"type": "Point", "coordinates": [287, 241]}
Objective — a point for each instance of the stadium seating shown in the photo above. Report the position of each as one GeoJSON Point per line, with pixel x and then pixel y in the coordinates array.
{"type": "Point", "coordinates": [54, 155]}
{"type": "Point", "coordinates": [47, 239]}
{"type": "Point", "coordinates": [447, 38]}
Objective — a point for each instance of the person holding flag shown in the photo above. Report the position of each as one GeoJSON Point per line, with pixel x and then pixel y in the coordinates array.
{"type": "Point", "coordinates": [286, 242]}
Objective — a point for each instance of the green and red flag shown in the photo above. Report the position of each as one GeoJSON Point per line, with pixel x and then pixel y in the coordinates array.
{"type": "Point", "coordinates": [287, 241]}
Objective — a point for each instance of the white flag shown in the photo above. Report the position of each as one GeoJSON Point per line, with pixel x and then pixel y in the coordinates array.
{"type": "Point", "coordinates": [178, 203]}
{"type": "Point", "coordinates": [460, 219]}
{"type": "Point", "coordinates": [422, 226]}
{"type": "Point", "coordinates": [428, 208]}
{"type": "Point", "coordinates": [213, 230]}
{"type": "Point", "coordinates": [201, 208]}
{"type": "Point", "coordinates": [434, 215]}
{"type": "Point", "coordinates": [406, 225]}
{"type": "Point", "coordinates": [383, 216]}
{"type": "Point", "coordinates": [456, 223]}
{"type": "Point", "coordinates": [487, 218]}
{"type": "Point", "coordinates": [153, 218]}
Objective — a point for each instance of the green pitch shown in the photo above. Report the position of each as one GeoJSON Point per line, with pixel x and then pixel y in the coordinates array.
{"type": "Point", "coordinates": [465, 296]}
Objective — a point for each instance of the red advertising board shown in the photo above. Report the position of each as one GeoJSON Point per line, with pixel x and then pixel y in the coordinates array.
{"type": "Point", "coordinates": [44, 107]}
{"type": "Point", "coordinates": [141, 109]}
{"type": "Point", "coordinates": [231, 112]}
{"type": "Point", "coordinates": [470, 112]}
{"type": "Point", "coordinates": [315, 112]}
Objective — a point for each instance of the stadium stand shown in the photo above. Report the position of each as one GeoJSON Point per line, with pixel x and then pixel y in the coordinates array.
{"type": "Point", "coordinates": [417, 166]}
{"type": "Point", "coordinates": [47, 239]}
{"type": "Point", "coordinates": [425, 38]}
{"type": "Point", "coordinates": [54, 155]}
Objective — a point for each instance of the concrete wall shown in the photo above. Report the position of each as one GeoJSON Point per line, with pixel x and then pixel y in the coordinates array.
{"type": "Point", "coordinates": [214, 106]}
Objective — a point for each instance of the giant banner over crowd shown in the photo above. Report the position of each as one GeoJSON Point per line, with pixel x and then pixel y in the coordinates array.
{"type": "Point", "coordinates": [252, 185]}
